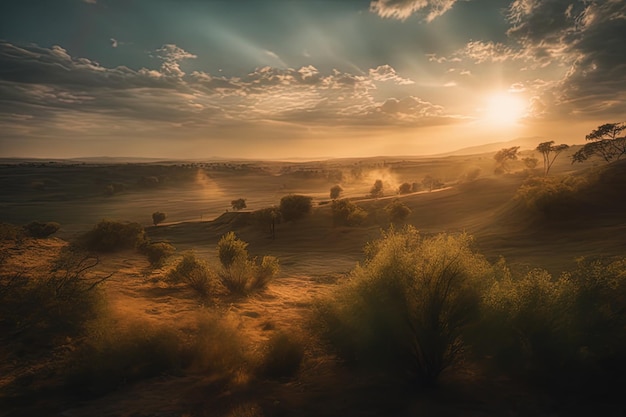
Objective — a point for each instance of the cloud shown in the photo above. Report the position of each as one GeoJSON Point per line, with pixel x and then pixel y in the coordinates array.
{"type": "Point", "coordinates": [114, 43]}
{"type": "Point", "coordinates": [403, 9]}
{"type": "Point", "coordinates": [46, 91]}
{"type": "Point", "coordinates": [585, 37]}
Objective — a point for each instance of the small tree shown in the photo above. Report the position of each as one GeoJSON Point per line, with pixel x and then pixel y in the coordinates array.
{"type": "Point", "coordinates": [503, 156]}
{"type": "Point", "coordinates": [377, 189]}
{"type": "Point", "coordinates": [158, 217]}
{"type": "Point", "coordinates": [398, 211]}
{"type": "Point", "coordinates": [405, 188]}
{"type": "Point", "coordinates": [530, 162]}
{"type": "Point", "coordinates": [335, 191]}
{"type": "Point", "coordinates": [605, 142]}
{"type": "Point", "coordinates": [294, 207]}
{"type": "Point", "coordinates": [238, 204]}
{"type": "Point", "coordinates": [547, 148]}
{"type": "Point", "coordinates": [347, 213]}
{"type": "Point", "coordinates": [268, 217]}
{"type": "Point", "coordinates": [431, 183]}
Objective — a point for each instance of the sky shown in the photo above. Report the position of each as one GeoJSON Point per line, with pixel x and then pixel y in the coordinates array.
{"type": "Point", "coordinates": [194, 79]}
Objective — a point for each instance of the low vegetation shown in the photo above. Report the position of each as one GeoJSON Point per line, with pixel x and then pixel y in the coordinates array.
{"type": "Point", "coordinates": [294, 207]}
{"type": "Point", "coordinates": [406, 308]}
{"type": "Point", "coordinates": [347, 213]}
{"type": "Point", "coordinates": [397, 211]}
{"type": "Point", "coordinates": [41, 230]}
{"type": "Point", "coordinates": [112, 236]}
{"type": "Point", "coordinates": [194, 273]}
{"type": "Point", "coordinates": [240, 274]}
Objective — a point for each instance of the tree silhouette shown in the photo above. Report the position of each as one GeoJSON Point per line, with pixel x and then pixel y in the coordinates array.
{"type": "Point", "coordinates": [605, 142]}
{"type": "Point", "coordinates": [335, 191]}
{"type": "Point", "coordinates": [377, 189]}
{"type": "Point", "coordinates": [547, 148]}
{"type": "Point", "coordinates": [503, 156]}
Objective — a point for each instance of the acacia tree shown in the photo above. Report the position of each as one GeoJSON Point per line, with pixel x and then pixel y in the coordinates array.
{"type": "Point", "coordinates": [605, 142]}
{"type": "Point", "coordinates": [547, 148]}
{"type": "Point", "coordinates": [503, 156]}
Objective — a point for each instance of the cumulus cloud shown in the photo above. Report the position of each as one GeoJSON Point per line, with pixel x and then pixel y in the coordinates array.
{"type": "Point", "coordinates": [588, 38]}
{"type": "Point", "coordinates": [403, 9]}
{"type": "Point", "coordinates": [46, 87]}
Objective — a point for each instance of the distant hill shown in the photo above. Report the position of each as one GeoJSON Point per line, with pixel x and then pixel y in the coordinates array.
{"type": "Point", "coordinates": [525, 143]}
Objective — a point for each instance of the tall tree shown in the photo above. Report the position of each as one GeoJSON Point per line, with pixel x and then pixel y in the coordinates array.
{"type": "Point", "coordinates": [604, 141]}
{"type": "Point", "coordinates": [548, 148]}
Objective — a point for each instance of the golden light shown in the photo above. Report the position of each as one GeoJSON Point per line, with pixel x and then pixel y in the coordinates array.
{"type": "Point", "coordinates": [504, 109]}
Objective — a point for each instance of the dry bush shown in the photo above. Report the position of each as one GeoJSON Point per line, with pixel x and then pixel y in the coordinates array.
{"type": "Point", "coordinates": [283, 356]}
{"type": "Point", "coordinates": [117, 353]}
{"type": "Point", "coordinates": [111, 236]}
{"type": "Point", "coordinates": [11, 232]}
{"type": "Point", "coordinates": [239, 274]}
{"type": "Point", "coordinates": [195, 273]}
{"type": "Point", "coordinates": [46, 308]}
{"type": "Point", "coordinates": [41, 230]}
{"type": "Point", "coordinates": [157, 252]}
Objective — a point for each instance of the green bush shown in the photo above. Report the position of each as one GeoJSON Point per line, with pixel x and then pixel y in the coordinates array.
{"type": "Point", "coordinates": [111, 236]}
{"type": "Point", "coordinates": [406, 309]}
{"type": "Point", "coordinates": [195, 274]}
{"type": "Point", "coordinates": [239, 274]}
{"type": "Point", "coordinates": [552, 197]}
{"type": "Point", "coordinates": [42, 230]}
{"type": "Point", "coordinates": [294, 207]}
{"type": "Point", "coordinates": [527, 323]}
{"type": "Point", "coordinates": [347, 213]}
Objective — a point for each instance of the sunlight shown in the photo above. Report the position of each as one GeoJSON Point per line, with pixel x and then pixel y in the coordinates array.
{"type": "Point", "coordinates": [504, 109]}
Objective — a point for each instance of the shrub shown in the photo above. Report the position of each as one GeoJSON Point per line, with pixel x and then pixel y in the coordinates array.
{"type": "Point", "coordinates": [158, 217]}
{"type": "Point", "coordinates": [294, 207]}
{"type": "Point", "coordinates": [238, 204]}
{"type": "Point", "coordinates": [377, 189]}
{"type": "Point", "coordinates": [405, 188]}
{"type": "Point", "coordinates": [195, 274]}
{"type": "Point", "coordinates": [552, 197]}
{"type": "Point", "coordinates": [11, 232]}
{"type": "Point", "coordinates": [335, 191]}
{"type": "Point", "coordinates": [529, 322]}
{"type": "Point", "coordinates": [283, 356]}
{"type": "Point", "coordinates": [397, 211]}
{"type": "Point", "coordinates": [239, 274]}
{"type": "Point", "coordinates": [268, 217]}
{"type": "Point", "coordinates": [42, 230]}
{"type": "Point", "coordinates": [110, 236]}
{"type": "Point", "coordinates": [407, 307]}
{"type": "Point", "coordinates": [43, 309]}
{"type": "Point", "coordinates": [347, 213]}
{"type": "Point", "coordinates": [112, 357]}
{"type": "Point", "coordinates": [157, 252]}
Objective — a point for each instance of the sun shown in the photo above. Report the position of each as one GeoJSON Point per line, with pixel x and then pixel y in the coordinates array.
{"type": "Point", "coordinates": [504, 108]}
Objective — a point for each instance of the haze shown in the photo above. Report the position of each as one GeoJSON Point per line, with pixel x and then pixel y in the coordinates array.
{"type": "Point", "coordinates": [279, 79]}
